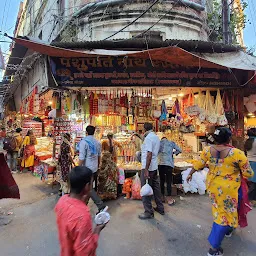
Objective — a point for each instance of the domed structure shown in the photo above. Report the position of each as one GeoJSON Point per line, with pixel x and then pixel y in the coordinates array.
{"type": "Point", "coordinates": [120, 19]}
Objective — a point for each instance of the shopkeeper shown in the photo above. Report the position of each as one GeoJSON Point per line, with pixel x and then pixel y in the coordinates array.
{"type": "Point", "coordinates": [138, 139]}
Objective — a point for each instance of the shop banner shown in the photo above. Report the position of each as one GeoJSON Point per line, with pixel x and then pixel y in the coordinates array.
{"type": "Point", "coordinates": [129, 71]}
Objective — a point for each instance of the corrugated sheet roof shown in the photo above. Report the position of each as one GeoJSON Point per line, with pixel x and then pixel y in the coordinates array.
{"type": "Point", "coordinates": [142, 44]}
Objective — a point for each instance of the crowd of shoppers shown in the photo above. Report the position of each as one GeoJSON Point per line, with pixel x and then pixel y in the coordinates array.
{"type": "Point", "coordinates": [229, 172]}
{"type": "Point", "coordinates": [20, 153]}
{"type": "Point", "coordinates": [226, 185]}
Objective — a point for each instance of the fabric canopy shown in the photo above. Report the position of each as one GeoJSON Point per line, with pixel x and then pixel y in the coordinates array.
{"type": "Point", "coordinates": [172, 54]}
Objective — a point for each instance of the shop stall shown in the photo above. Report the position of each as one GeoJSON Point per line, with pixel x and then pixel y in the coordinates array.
{"type": "Point", "coordinates": [185, 95]}
{"type": "Point", "coordinates": [183, 115]}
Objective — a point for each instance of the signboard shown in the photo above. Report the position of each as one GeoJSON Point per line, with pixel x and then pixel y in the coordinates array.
{"type": "Point", "coordinates": [32, 125]}
{"type": "Point", "coordinates": [129, 71]}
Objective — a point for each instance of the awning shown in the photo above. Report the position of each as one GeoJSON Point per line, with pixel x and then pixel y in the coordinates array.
{"type": "Point", "coordinates": [231, 60]}
{"type": "Point", "coordinates": [236, 60]}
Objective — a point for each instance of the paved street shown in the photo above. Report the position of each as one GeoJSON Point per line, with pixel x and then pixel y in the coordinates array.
{"type": "Point", "coordinates": [183, 231]}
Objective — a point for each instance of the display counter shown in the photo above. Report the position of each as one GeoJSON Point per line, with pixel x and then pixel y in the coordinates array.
{"type": "Point", "coordinates": [45, 167]}
{"type": "Point", "coordinates": [44, 148]}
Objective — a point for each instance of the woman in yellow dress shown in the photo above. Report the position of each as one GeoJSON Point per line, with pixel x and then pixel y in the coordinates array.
{"type": "Point", "coordinates": [226, 165]}
{"type": "Point", "coordinates": [29, 151]}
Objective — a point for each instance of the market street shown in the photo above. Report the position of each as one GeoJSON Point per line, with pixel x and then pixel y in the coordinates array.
{"type": "Point", "coordinates": [182, 231]}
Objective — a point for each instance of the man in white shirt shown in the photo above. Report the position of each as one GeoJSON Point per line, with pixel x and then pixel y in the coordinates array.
{"type": "Point", "coordinates": [89, 156]}
{"type": "Point", "coordinates": [149, 161]}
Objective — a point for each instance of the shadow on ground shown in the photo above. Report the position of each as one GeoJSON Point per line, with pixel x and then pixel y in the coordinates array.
{"type": "Point", "coordinates": [182, 231]}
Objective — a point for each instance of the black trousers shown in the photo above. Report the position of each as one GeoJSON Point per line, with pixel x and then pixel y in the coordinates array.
{"type": "Point", "coordinates": [95, 179]}
{"type": "Point", "coordinates": [154, 183]}
{"type": "Point", "coordinates": [165, 173]}
{"type": "Point", "coordinates": [94, 196]}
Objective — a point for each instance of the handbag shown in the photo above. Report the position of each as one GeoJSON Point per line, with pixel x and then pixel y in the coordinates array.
{"type": "Point", "coordinates": [22, 152]}
{"type": "Point", "coordinates": [219, 110]}
{"type": "Point", "coordinates": [229, 113]}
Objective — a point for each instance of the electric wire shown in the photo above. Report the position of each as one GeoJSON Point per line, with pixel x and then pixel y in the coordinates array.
{"type": "Point", "coordinates": [129, 24]}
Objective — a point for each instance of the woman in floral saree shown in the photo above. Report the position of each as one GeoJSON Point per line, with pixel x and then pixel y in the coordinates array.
{"type": "Point", "coordinates": [227, 167]}
{"type": "Point", "coordinates": [65, 163]}
{"type": "Point", "coordinates": [108, 172]}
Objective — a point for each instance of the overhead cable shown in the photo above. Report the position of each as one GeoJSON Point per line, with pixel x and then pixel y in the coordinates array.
{"type": "Point", "coordinates": [129, 24]}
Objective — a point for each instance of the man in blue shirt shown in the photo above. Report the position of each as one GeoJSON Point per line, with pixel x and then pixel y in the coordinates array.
{"type": "Point", "coordinates": [89, 156]}
{"type": "Point", "coordinates": [166, 165]}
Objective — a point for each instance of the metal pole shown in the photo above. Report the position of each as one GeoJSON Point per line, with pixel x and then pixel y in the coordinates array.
{"type": "Point", "coordinates": [226, 22]}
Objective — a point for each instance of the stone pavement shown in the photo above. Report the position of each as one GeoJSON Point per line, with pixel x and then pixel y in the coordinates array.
{"type": "Point", "coordinates": [183, 231]}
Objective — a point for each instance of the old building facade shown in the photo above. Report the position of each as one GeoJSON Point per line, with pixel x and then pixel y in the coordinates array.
{"type": "Point", "coordinates": [90, 20]}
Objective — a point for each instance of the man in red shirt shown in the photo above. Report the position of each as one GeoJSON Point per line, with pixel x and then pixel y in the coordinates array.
{"type": "Point", "coordinates": [76, 234]}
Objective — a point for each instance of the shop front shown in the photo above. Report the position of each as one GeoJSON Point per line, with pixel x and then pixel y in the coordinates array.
{"type": "Point", "coordinates": [183, 95]}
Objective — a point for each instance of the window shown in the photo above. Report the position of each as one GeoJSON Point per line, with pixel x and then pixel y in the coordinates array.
{"type": "Point", "coordinates": [40, 36]}
{"type": "Point", "coordinates": [149, 35]}
{"type": "Point", "coordinates": [61, 11]}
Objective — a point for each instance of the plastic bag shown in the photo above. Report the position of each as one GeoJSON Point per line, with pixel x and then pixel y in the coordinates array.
{"type": "Point", "coordinates": [102, 217]}
{"type": "Point", "coordinates": [211, 116]}
{"type": "Point", "coordinates": [127, 187]}
{"type": "Point", "coordinates": [136, 186]}
{"type": "Point", "coordinates": [146, 190]}
{"type": "Point", "coordinates": [222, 120]}
{"type": "Point", "coordinates": [197, 184]}
{"type": "Point", "coordinates": [219, 108]}
{"type": "Point", "coordinates": [200, 100]}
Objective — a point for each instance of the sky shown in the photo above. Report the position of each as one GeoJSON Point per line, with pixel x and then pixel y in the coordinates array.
{"type": "Point", "coordinates": [9, 10]}
{"type": "Point", "coordinates": [8, 15]}
{"type": "Point", "coordinates": [250, 29]}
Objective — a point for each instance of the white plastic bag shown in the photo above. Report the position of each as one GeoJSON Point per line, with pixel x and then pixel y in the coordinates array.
{"type": "Point", "coordinates": [211, 116]}
{"type": "Point", "coordinates": [146, 190]}
{"type": "Point", "coordinates": [103, 217]}
{"type": "Point", "coordinates": [219, 110]}
{"type": "Point", "coordinates": [197, 184]}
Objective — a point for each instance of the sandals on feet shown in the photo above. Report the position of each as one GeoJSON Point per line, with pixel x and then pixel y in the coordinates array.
{"type": "Point", "coordinates": [171, 202]}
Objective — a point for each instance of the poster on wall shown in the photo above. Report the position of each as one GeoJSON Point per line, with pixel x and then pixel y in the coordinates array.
{"type": "Point", "coordinates": [120, 71]}
{"type": "Point", "coordinates": [36, 127]}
